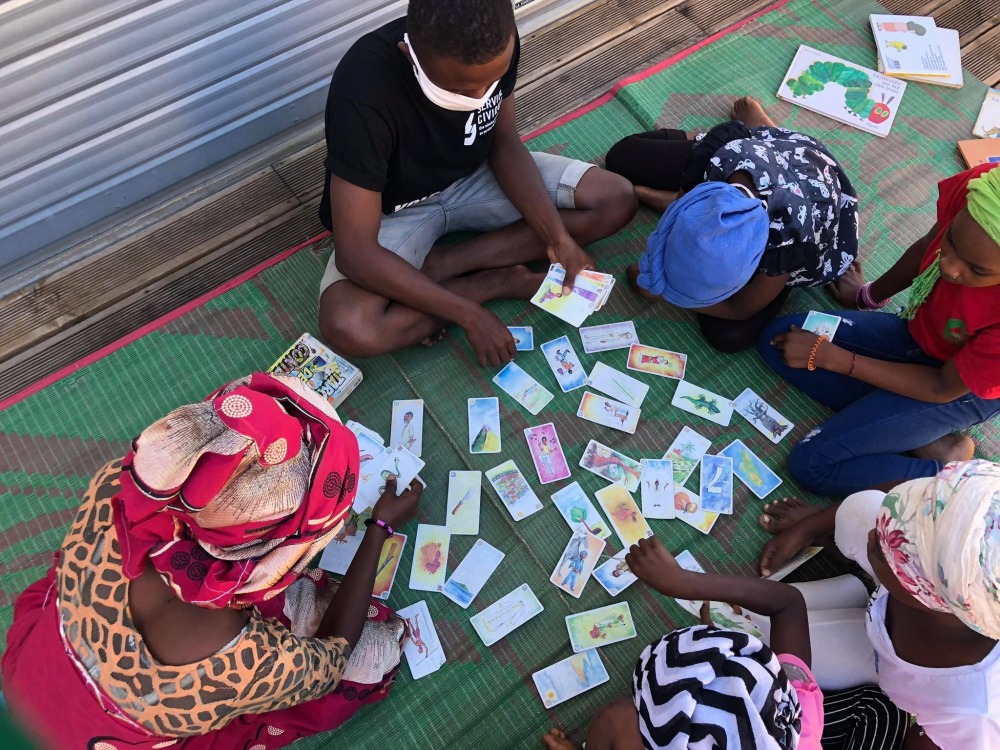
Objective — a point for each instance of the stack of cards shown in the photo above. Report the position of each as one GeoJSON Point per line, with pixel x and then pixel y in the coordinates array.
{"type": "Point", "coordinates": [523, 388]}
{"type": "Point", "coordinates": [610, 336]}
{"type": "Point", "coordinates": [423, 648]}
{"type": "Point", "coordinates": [505, 615]}
{"type": "Point", "coordinates": [472, 573]}
{"type": "Point", "coordinates": [513, 489]}
{"type": "Point", "coordinates": [590, 291]}
{"type": "Point", "coordinates": [600, 627]}
{"type": "Point", "coordinates": [568, 678]}
{"type": "Point", "coordinates": [565, 364]}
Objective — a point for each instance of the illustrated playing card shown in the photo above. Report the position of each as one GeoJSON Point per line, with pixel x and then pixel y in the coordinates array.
{"type": "Point", "coordinates": [368, 449]}
{"type": "Point", "coordinates": [408, 425]}
{"type": "Point", "coordinates": [609, 464]}
{"type": "Point", "coordinates": [822, 324]}
{"type": "Point", "coordinates": [523, 388]}
{"type": "Point", "coordinates": [578, 510]}
{"type": "Point", "coordinates": [524, 337]}
{"type": "Point", "coordinates": [430, 556]}
{"type": "Point", "coordinates": [565, 364]}
{"type": "Point", "coordinates": [577, 562]}
{"type": "Point", "coordinates": [608, 412]}
{"type": "Point", "coordinates": [546, 453]}
{"type": "Point", "coordinates": [655, 361]}
{"type": "Point", "coordinates": [685, 453]}
{"type": "Point", "coordinates": [484, 425]}
{"type": "Point", "coordinates": [615, 575]}
{"type": "Point", "coordinates": [608, 336]}
{"type": "Point", "coordinates": [464, 497]}
{"type": "Point", "coordinates": [687, 504]}
{"type": "Point", "coordinates": [423, 648]}
{"type": "Point", "coordinates": [617, 384]}
{"type": "Point", "coordinates": [600, 627]}
{"type": "Point", "coordinates": [506, 614]}
{"type": "Point", "coordinates": [513, 489]}
{"type": "Point", "coordinates": [358, 429]}
{"type": "Point", "coordinates": [374, 475]}
{"type": "Point", "coordinates": [570, 677]}
{"type": "Point", "coordinates": [795, 563]}
{"type": "Point", "coordinates": [572, 308]}
{"type": "Point", "coordinates": [620, 508]}
{"type": "Point", "coordinates": [657, 488]}
{"type": "Point", "coordinates": [472, 573]}
{"type": "Point", "coordinates": [753, 472]}
{"type": "Point", "coordinates": [761, 415]}
{"type": "Point", "coordinates": [717, 484]}
{"type": "Point", "coordinates": [388, 564]}
{"type": "Point", "coordinates": [340, 550]}
{"type": "Point", "coordinates": [703, 403]}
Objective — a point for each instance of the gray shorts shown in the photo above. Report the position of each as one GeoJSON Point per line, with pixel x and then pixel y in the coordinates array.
{"type": "Point", "coordinates": [475, 204]}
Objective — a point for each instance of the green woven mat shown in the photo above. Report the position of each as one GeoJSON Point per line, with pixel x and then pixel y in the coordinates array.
{"type": "Point", "coordinates": [51, 442]}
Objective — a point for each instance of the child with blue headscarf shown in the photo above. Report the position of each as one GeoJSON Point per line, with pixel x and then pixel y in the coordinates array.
{"type": "Point", "coordinates": [750, 210]}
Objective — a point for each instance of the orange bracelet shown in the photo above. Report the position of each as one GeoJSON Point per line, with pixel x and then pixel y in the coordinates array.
{"type": "Point", "coordinates": [811, 364]}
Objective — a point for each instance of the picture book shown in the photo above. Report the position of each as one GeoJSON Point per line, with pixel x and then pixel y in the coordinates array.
{"type": "Point", "coordinates": [323, 370]}
{"type": "Point", "coordinates": [909, 45]}
{"type": "Point", "coordinates": [849, 93]}
{"type": "Point", "coordinates": [979, 151]}
{"type": "Point", "coordinates": [988, 122]}
{"type": "Point", "coordinates": [951, 46]}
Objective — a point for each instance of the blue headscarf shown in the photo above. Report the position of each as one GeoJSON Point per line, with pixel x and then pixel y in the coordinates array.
{"type": "Point", "coordinates": [706, 247]}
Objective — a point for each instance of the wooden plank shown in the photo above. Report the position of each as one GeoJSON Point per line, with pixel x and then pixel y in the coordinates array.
{"type": "Point", "coordinates": [303, 172]}
{"type": "Point", "coordinates": [981, 56]}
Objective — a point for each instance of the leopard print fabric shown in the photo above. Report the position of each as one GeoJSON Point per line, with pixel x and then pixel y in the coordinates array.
{"type": "Point", "coordinates": [267, 668]}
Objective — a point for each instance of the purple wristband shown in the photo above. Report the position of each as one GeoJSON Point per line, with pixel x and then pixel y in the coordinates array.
{"type": "Point", "coordinates": [865, 301]}
{"type": "Point", "coordinates": [381, 524]}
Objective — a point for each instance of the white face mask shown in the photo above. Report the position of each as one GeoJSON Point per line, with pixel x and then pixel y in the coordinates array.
{"type": "Point", "coordinates": [446, 99]}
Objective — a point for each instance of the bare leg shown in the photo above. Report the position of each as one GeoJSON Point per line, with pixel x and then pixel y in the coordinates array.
{"type": "Point", "coordinates": [632, 276]}
{"type": "Point", "coordinates": [359, 323]}
{"type": "Point", "coordinates": [948, 448]}
{"type": "Point", "coordinates": [615, 727]}
{"type": "Point", "coordinates": [750, 112]}
{"type": "Point", "coordinates": [658, 200]}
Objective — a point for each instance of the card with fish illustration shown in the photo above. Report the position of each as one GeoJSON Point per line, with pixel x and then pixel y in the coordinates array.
{"type": "Point", "coordinates": [464, 501]}
{"type": "Point", "coordinates": [570, 677]}
{"type": "Point", "coordinates": [666, 364]}
{"type": "Point", "coordinates": [609, 336]}
{"type": "Point", "coordinates": [608, 412]}
{"type": "Point", "coordinates": [506, 614]}
{"type": "Point", "coordinates": [340, 550]}
{"type": "Point", "coordinates": [822, 324]}
{"type": "Point", "coordinates": [795, 563]}
{"type": "Point", "coordinates": [600, 627]}
{"type": "Point", "coordinates": [513, 490]}
{"type": "Point", "coordinates": [468, 579]}
{"type": "Point", "coordinates": [564, 363]}
{"type": "Point", "coordinates": [408, 425]}
{"type": "Point", "coordinates": [717, 484]}
{"type": "Point", "coordinates": [615, 575]}
{"type": "Point", "coordinates": [577, 562]}
{"type": "Point", "coordinates": [484, 425]}
{"type": "Point", "coordinates": [523, 388]}
{"type": "Point", "coordinates": [547, 453]}
{"type": "Point", "coordinates": [762, 415]}
{"type": "Point", "coordinates": [753, 472]}
{"type": "Point", "coordinates": [578, 510]}
{"type": "Point", "coordinates": [430, 557]}
{"type": "Point", "coordinates": [687, 505]}
{"type": "Point", "coordinates": [358, 429]}
{"type": "Point", "coordinates": [657, 488]}
{"type": "Point", "coordinates": [573, 308]}
{"type": "Point", "coordinates": [617, 384]}
{"type": "Point", "coordinates": [703, 403]}
{"type": "Point", "coordinates": [388, 564]}
{"type": "Point", "coordinates": [609, 464]}
{"type": "Point", "coordinates": [685, 453]}
{"type": "Point", "coordinates": [623, 513]}
{"type": "Point", "coordinates": [423, 649]}
{"type": "Point", "coordinates": [524, 337]}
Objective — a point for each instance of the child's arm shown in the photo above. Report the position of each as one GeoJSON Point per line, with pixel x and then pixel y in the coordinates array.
{"type": "Point", "coordinates": [650, 561]}
{"type": "Point", "coordinates": [904, 270]}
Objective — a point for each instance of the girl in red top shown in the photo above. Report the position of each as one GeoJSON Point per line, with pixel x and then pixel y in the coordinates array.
{"type": "Point", "coordinates": [904, 386]}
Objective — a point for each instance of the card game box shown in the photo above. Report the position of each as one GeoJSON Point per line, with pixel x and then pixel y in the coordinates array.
{"type": "Point", "coordinates": [319, 367]}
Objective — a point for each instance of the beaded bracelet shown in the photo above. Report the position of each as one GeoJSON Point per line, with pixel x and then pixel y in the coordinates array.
{"type": "Point", "coordinates": [811, 364]}
{"type": "Point", "coordinates": [865, 301]}
{"type": "Point", "coordinates": [381, 524]}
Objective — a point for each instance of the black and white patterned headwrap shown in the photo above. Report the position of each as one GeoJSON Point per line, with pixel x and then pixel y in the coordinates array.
{"type": "Point", "coordinates": [702, 687]}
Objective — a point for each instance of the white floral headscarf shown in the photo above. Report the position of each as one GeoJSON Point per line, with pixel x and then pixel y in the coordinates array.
{"type": "Point", "coordinates": [941, 537]}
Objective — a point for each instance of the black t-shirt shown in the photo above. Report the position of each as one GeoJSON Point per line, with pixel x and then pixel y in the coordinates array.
{"type": "Point", "coordinates": [383, 134]}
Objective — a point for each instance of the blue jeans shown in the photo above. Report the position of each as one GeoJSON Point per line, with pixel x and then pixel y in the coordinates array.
{"type": "Point", "coordinates": [861, 446]}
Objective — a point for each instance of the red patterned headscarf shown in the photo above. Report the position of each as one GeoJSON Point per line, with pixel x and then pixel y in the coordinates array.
{"type": "Point", "coordinates": [231, 498]}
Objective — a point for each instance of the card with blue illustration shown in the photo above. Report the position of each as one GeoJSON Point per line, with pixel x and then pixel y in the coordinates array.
{"type": "Point", "coordinates": [577, 562]}
{"type": "Point", "coordinates": [578, 510]}
{"type": "Point", "coordinates": [615, 575]}
{"type": "Point", "coordinates": [822, 324]}
{"type": "Point", "coordinates": [472, 573]}
{"type": "Point", "coordinates": [570, 677]}
{"type": "Point", "coordinates": [753, 472]}
{"type": "Point", "coordinates": [524, 337]}
{"type": "Point", "coordinates": [564, 363]}
{"type": "Point", "coordinates": [523, 388]}
{"type": "Point", "coordinates": [717, 484]}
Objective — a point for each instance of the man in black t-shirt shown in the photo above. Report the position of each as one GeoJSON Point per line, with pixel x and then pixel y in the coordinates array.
{"type": "Point", "coordinates": [421, 141]}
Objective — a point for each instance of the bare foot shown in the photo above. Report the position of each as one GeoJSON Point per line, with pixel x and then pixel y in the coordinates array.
{"type": "Point", "coordinates": [520, 282]}
{"type": "Point", "coordinates": [750, 112]}
{"type": "Point", "coordinates": [556, 739]}
{"type": "Point", "coordinates": [632, 275]}
{"type": "Point", "coordinates": [434, 337]}
{"type": "Point", "coordinates": [785, 513]}
{"type": "Point", "coordinates": [658, 200]}
{"type": "Point", "coordinates": [953, 447]}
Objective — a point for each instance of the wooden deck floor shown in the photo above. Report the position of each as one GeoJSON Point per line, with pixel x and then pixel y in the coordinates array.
{"type": "Point", "coordinates": [150, 264]}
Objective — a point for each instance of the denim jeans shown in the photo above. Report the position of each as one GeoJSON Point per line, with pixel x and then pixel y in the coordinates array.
{"type": "Point", "coordinates": [861, 446]}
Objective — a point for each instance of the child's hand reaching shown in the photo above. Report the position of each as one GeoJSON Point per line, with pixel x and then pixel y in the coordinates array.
{"type": "Point", "coordinates": [653, 564]}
